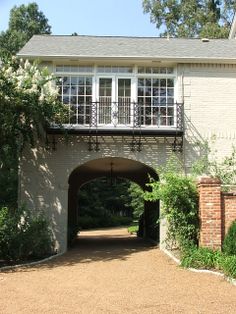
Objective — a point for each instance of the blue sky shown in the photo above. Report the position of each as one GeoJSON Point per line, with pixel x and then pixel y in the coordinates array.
{"type": "Point", "coordinates": [89, 17]}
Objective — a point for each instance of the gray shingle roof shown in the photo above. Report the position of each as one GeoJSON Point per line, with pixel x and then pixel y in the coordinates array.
{"type": "Point", "coordinates": [125, 47]}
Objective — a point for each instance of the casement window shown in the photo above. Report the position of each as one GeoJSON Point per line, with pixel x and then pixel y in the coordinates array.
{"type": "Point", "coordinates": [118, 95]}
{"type": "Point", "coordinates": [76, 92]}
{"type": "Point", "coordinates": [156, 99]}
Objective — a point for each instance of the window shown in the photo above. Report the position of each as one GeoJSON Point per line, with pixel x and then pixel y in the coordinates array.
{"type": "Point", "coordinates": [156, 99]}
{"type": "Point", "coordinates": [105, 101]}
{"type": "Point", "coordinates": [126, 96]}
{"type": "Point", "coordinates": [114, 69]}
{"type": "Point", "coordinates": [76, 92]}
{"type": "Point", "coordinates": [74, 69]}
{"type": "Point", "coordinates": [155, 70]}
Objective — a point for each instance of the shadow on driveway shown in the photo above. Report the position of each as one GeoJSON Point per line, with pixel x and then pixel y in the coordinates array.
{"type": "Point", "coordinates": [97, 245]}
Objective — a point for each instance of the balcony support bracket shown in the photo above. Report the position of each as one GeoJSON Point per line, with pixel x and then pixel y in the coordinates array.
{"type": "Point", "coordinates": [177, 145]}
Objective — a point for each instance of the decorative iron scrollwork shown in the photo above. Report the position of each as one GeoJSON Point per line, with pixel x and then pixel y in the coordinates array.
{"type": "Point", "coordinates": [177, 145]}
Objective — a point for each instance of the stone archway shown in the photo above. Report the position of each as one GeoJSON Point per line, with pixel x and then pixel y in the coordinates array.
{"type": "Point", "coordinates": [123, 168]}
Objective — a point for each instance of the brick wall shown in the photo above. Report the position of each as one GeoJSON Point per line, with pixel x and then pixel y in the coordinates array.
{"type": "Point", "coordinates": [217, 211]}
{"type": "Point", "coordinates": [229, 209]}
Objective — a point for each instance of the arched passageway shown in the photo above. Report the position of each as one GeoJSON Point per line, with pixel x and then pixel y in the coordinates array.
{"type": "Point", "coordinates": [121, 168]}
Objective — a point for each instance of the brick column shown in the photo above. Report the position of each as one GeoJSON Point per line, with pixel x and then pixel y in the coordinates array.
{"type": "Point", "coordinates": [210, 212]}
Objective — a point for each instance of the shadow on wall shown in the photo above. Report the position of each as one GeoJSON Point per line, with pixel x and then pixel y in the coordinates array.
{"type": "Point", "coordinates": [41, 190]}
{"type": "Point", "coordinates": [195, 145]}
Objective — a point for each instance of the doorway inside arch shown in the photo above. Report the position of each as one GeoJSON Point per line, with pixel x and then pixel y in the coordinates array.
{"type": "Point", "coordinates": [110, 171]}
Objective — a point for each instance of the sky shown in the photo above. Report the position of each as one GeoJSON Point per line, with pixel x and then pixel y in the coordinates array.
{"type": "Point", "coordinates": [89, 17]}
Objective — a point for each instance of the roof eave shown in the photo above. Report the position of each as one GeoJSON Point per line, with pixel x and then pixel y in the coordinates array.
{"type": "Point", "coordinates": [127, 58]}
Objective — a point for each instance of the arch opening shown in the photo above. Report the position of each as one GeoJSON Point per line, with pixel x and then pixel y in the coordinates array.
{"type": "Point", "coordinates": [113, 167]}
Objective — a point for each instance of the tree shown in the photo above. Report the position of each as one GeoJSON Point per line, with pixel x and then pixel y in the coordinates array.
{"type": "Point", "coordinates": [28, 102]}
{"type": "Point", "coordinates": [137, 202]}
{"type": "Point", "coordinates": [191, 18]}
{"type": "Point", "coordinates": [25, 21]}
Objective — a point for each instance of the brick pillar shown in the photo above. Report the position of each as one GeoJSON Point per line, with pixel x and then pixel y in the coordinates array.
{"type": "Point", "coordinates": [210, 212]}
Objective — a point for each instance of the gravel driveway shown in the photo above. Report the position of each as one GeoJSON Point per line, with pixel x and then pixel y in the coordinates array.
{"type": "Point", "coordinates": [109, 271]}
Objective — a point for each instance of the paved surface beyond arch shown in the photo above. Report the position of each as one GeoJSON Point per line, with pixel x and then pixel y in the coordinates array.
{"type": "Point", "coordinates": [109, 271]}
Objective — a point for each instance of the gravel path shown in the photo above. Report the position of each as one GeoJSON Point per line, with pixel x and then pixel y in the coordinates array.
{"type": "Point", "coordinates": [109, 271]}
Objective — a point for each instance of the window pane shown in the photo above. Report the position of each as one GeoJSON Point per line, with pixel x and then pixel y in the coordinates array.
{"type": "Point", "coordinates": [155, 101]}
{"type": "Point", "coordinates": [148, 82]}
{"type": "Point", "coordinates": [170, 92]}
{"type": "Point", "coordinates": [170, 70]}
{"type": "Point", "coordinates": [163, 70]}
{"type": "Point", "coordinates": [89, 81]}
{"type": "Point", "coordinates": [155, 70]}
{"type": "Point", "coordinates": [155, 92]}
{"type": "Point", "coordinates": [140, 82]}
{"type": "Point", "coordinates": [148, 91]}
{"type": "Point", "coordinates": [66, 80]}
{"type": "Point", "coordinates": [163, 82]}
{"type": "Point", "coordinates": [81, 91]}
{"type": "Point", "coordinates": [81, 80]}
{"type": "Point", "coordinates": [88, 90]}
{"type": "Point", "coordinates": [155, 82]}
{"type": "Point", "coordinates": [73, 90]}
{"type": "Point", "coordinates": [170, 83]}
{"type": "Point", "coordinates": [74, 80]}
{"type": "Point", "coordinates": [66, 90]}
{"type": "Point", "coordinates": [140, 91]}
{"type": "Point", "coordinates": [73, 100]}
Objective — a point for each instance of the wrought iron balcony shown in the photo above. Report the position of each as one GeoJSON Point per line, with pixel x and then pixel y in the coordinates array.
{"type": "Point", "coordinates": [123, 117]}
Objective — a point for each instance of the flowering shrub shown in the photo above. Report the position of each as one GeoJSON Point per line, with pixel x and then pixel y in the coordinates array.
{"type": "Point", "coordinates": [28, 101]}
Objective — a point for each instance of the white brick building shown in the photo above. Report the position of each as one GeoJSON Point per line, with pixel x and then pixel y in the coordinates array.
{"type": "Point", "coordinates": [131, 102]}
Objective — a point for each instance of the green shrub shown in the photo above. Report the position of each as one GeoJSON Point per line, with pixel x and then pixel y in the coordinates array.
{"type": "Point", "coordinates": [229, 245]}
{"type": "Point", "coordinates": [200, 258]}
{"type": "Point", "coordinates": [205, 258]}
{"type": "Point", "coordinates": [228, 265]}
{"type": "Point", "coordinates": [179, 197]}
{"type": "Point", "coordinates": [22, 235]}
{"type": "Point", "coordinates": [88, 222]}
{"type": "Point", "coordinates": [133, 229]}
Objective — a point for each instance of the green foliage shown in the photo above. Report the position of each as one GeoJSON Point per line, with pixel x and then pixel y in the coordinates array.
{"type": "Point", "coordinates": [23, 236]}
{"type": "Point", "coordinates": [23, 111]}
{"type": "Point", "coordinates": [205, 258]}
{"type": "Point", "coordinates": [110, 204]}
{"type": "Point", "coordinates": [136, 200]}
{"type": "Point", "coordinates": [200, 258]}
{"type": "Point", "coordinates": [208, 164]}
{"type": "Point", "coordinates": [191, 18]}
{"type": "Point", "coordinates": [228, 265]}
{"type": "Point", "coordinates": [133, 229]}
{"type": "Point", "coordinates": [25, 21]}
{"type": "Point", "coordinates": [179, 197]}
{"type": "Point", "coordinates": [229, 245]}
{"type": "Point", "coordinates": [28, 103]}
{"type": "Point", "coordinates": [88, 222]}
{"type": "Point", "coordinates": [8, 176]}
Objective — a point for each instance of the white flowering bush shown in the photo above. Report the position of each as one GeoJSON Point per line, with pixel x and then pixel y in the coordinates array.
{"type": "Point", "coordinates": [28, 103]}
{"type": "Point", "coordinates": [28, 100]}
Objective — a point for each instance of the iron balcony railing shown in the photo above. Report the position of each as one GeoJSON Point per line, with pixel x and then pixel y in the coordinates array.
{"type": "Point", "coordinates": [124, 114]}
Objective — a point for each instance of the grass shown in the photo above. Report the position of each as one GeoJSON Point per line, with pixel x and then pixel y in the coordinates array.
{"type": "Point", "coordinates": [133, 229]}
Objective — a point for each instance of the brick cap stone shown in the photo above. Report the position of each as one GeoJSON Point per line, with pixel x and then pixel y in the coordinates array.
{"type": "Point", "coordinates": [208, 180]}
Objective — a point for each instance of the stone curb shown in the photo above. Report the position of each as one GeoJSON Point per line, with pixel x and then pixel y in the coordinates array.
{"type": "Point", "coordinates": [30, 264]}
{"type": "Point", "coordinates": [231, 280]}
